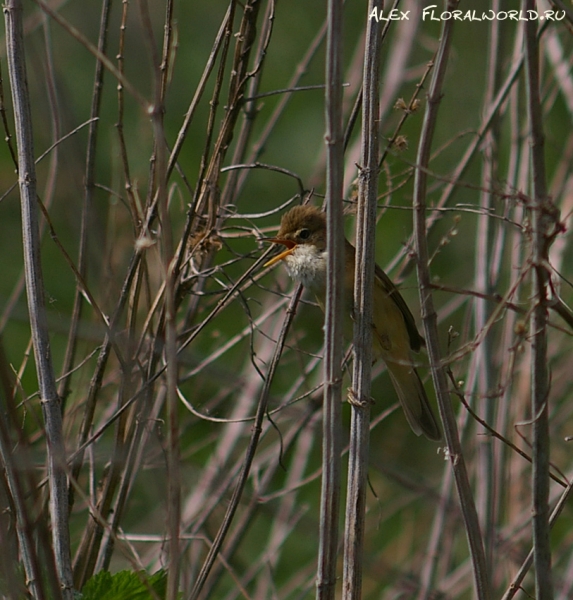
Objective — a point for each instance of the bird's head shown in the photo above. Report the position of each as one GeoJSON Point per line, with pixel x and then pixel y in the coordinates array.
{"type": "Point", "coordinates": [300, 226]}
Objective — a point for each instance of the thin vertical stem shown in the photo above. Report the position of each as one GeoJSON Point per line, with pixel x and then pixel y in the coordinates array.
{"type": "Point", "coordinates": [331, 445]}
{"type": "Point", "coordinates": [160, 69]}
{"type": "Point", "coordinates": [429, 317]}
{"type": "Point", "coordinates": [249, 454]}
{"type": "Point", "coordinates": [89, 188]}
{"type": "Point", "coordinates": [486, 495]}
{"type": "Point", "coordinates": [50, 400]}
{"type": "Point", "coordinates": [515, 585]}
{"type": "Point", "coordinates": [363, 307]}
{"type": "Point", "coordinates": [541, 218]}
{"type": "Point", "coordinates": [250, 109]}
{"type": "Point", "coordinates": [21, 517]}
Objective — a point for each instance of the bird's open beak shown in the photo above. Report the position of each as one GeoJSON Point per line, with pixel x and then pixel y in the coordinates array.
{"type": "Point", "coordinates": [290, 246]}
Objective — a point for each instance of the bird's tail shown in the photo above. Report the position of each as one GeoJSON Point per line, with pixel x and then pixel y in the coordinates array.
{"type": "Point", "coordinates": [414, 401]}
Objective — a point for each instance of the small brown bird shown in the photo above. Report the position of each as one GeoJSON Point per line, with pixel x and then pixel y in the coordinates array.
{"type": "Point", "coordinates": [395, 335]}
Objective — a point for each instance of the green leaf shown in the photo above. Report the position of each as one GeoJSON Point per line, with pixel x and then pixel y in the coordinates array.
{"type": "Point", "coordinates": [125, 585]}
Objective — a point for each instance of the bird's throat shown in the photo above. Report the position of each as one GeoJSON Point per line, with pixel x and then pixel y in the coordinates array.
{"type": "Point", "coordinates": [307, 264]}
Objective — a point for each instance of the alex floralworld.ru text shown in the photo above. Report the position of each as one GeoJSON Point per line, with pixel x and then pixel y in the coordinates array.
{"type": "Point", "coordinates": [430, 14]}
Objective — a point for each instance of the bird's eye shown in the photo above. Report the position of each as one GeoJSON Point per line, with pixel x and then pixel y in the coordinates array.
{"type": "Point", "coordinates": [304, 234]}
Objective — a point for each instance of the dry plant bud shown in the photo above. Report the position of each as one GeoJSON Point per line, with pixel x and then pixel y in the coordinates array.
{"type": "Point", "coordinates": [204, 243]}
{"type": "Point", "coordinates": [415, 105]}
{"type": "Point", "coordinates": [520, 328]}
{"type": "Point", "coordinates": [411, 108]}
{"type": "Point", "coordinates": [401, 143]}
{"type": "Point", "coordinates": [452, 333]}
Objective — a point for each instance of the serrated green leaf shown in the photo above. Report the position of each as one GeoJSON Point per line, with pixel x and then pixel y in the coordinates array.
{"type": "Point", "coordinates": [125, 585]}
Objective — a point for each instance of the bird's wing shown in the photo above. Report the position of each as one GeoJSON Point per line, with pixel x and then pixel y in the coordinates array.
{"type": "Point", "coordinates": [416, 340]}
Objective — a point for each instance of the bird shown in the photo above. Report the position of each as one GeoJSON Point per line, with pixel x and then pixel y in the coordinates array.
{"type": "Point", "coordinates": [394, 333]}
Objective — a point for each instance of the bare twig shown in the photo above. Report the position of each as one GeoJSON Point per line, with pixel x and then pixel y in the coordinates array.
{"type": "Point", "coordinates": [249, 455]}
{"type": "Point", "coordinates": [95, 51]}
{"type": "Point", "coordinates": [331, 445]}
{"type": "Point", "coordinates": [28, 554]}
{"type": "Point", "coordinates": [514, 587]}
{"type": "Point", "coordinates": [487, 495]}
{"type": "Point", "coordinates": [250, 108]}
{"type": "Point", "coordinates": [221, 36]}
{"type": "Point", "coordinates": [89, 187]}
{"type": "Point", "coordinates": [160, 70]}
{"type": "Point", "coordinates": [542, 217]}
{"type": "Point", "coordinates": [357, 487]}
{"type": "Point", "coordinates": [481, 576]}
{"type": "Point", "coordinates": [50, 400]}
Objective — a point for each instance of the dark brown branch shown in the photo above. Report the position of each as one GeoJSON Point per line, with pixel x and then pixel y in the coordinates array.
{"type": "Point", "coordinates": [332, 423]}
{"type": "Point", "coordinates": [539, 369]}
{"type": "Point", "coordinates": [357, 487]}
{"type": "Point", "coordinates": [481, 576]}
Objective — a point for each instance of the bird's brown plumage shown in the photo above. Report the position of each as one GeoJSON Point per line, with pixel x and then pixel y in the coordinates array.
{"type": "Point", "coordinates": [395, 335]}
